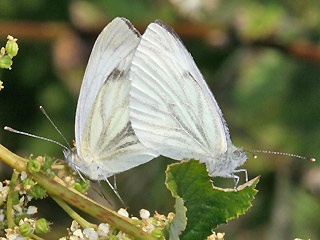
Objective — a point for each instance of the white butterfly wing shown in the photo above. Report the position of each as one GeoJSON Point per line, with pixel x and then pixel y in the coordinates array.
{"type": "Point", "coordinates": [171, 107]}
{"type": "Point", "coordinates": [106, 143]}
{"type": "Point", "coordinates": [114, 43]}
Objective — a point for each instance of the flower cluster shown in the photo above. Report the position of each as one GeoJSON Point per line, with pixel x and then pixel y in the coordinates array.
{"type": "Point", "coordinates": [152, 225]}
{"type": "Point", "coordinates": [7, 53]}
{"type": "Point", "coordinates": [23, 190]}
{"type": "Point", "coordinates": [14, 200]}
{"type": "Point", "coordinates": [70, 178]}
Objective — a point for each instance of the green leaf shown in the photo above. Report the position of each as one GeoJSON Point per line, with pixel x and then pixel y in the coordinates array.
{"type": "Point", "coordinates": [179, 222]}
{"type": "Point", "coordinates": [207, 206]}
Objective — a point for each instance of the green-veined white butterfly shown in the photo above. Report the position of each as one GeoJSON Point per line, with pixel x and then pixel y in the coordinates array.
{"type": "Point", "coordinates": [105, 141]}
{"type": "Point", "coordinates": [172, 110]}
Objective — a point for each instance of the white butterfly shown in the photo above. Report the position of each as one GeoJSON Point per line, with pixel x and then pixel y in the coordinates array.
{"type": "Point", "coordinates": [105, 141]}
{"type": "Point", "coordinates": [172, 110]}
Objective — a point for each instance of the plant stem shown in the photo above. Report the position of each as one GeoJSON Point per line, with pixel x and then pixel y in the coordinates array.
{"type": "Point", "coordinates": [9, 200]}
{"type": "Point", "coordinates": [33, 236]}
{"type": "Point", "coordinates": [83, 223]}
{"type": "Point", "coordinates": [74, 198]}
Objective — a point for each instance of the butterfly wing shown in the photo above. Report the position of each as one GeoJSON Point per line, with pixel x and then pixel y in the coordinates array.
{"type": "Point", "coordinates": [171, 107]}
{"type": "Point", "coordinates": [115, 42]}
{"type": "Point", "coordinates": [106, 143]}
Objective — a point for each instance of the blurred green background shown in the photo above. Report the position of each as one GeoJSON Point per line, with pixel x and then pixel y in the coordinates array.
{"type": "Point", "coordinates": [260, 58]}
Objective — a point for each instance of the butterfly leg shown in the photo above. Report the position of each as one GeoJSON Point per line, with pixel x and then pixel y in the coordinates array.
{"type": "Point", "coordinates": [80, 175]}
{"type": "Point", "coordinates": [116, 188]}
{"type": "Point", "coordinates": [104, 196]}
{"type": "Point", "coordinates": [115, 192]}
{"type": "Point", "coordinates": [115, 182]}
{"type": "Point", "coordinates": [242, 170]}
{"type": "Point", "coordinates": [235, 179]}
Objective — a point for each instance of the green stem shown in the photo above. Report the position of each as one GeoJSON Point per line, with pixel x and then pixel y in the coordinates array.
{"type": "Point", "coordinates": [33, 236]}
{"type": "Point", "coordinates": [9, 200]}
{"type": "Point", "coordinates": [58, 167]}
{"type": "Point", "coordinates": [76, 199]}
{"type": "Point", "coordinates": [83, 223]}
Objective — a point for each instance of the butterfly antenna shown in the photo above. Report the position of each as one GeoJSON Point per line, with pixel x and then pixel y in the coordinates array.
{"type": "Point", "coordinates": [47, 116]}
{"type": "Point", "coordinates": [34, 136]}
{"type": "Point", "coordinates": [281, 153]}
{"type": "Point", "coordinates": [115, 192]}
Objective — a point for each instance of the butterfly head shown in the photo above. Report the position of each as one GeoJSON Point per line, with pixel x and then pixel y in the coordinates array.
{"type": "Point", "coordinates": [237, 156]}
{"type": "Point", "coordinates": [71, 157]}
{"type": "Point", "coordinates": [227, 162]}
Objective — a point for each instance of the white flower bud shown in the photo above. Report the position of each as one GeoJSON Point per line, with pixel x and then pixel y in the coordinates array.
{"type": "Point", "coordinates": [1, 215]}
{"type": "Point", "coordinates": [220, 235]}
{"type": "Point", "coordinates": [90, 234]}
{"type": "Point", "coordinates": [78, 233]}
{"type": "Point", "coordinates": [23, 175]}
{"type": "Point", "coordinates": [74, 226]}
{"type": "Point", "coordinates": [103, 230]}
{"type": "Point", "coordinates": [144, 214]}
{"type": "Point", "coordinates": [123, 212]}
{"type": "Point", "coordinates": [17, 208]}
{"type": "Point", "coordinates": [32, 210]}
{"type": "Point", "coordinates": [72, 237]}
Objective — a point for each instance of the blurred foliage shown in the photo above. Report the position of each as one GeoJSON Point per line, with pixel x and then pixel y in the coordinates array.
{"type": "Point", "coordinates": [267, 92]}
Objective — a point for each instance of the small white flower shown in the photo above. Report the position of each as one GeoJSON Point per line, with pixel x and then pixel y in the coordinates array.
{"type": "Point", "coordinates": [21, 201]}
{"type": "Point", "coordinates": [10, 38]}
{"type": "Point", "coordinates": [17, 187]}
{"type": "Point", "coordinates": [2, 51]}
{"type": "Point", "coordinates": [32, 210]}
{"type": "Point", "coordinates": [17, 208]}
{"type": "Point", "coordinates": [1, 217]}
{"type": "Point", "coordinates": [4, 190]}
{"type": "Point", "coordinates": [74, 237]}
{"type": "Point", "coordinates": [90, 234]}
{"type": "Point", "coordinates": [216, 236]}
{"type": "Point", "coordinates": [23, 175]}
{"type": "Point", "coordinates": [103, 230]}
{"type": "Point", "coordinates": [220, 235]}
{"type": "Point", "coordinates": [78, 233]}
{"type": "Point", "coordinates": [69, 180]}
{"type": "Point", "coordinates": [63, 238]}
{"type": "Point", "coordinates": [144, 214]}
{"type": "Point", "coordinates": [74, 226]}
{"type": "Point", "coordinates": [29, 197]}
{"type": "Point", "coordinates": [14, 234]}
{"type": "Point", "coordinates": [123, 212]}
{"type": "Point", "coordinates": [121, 235]}
{"type": "Point", "coordinates": [148, 226]}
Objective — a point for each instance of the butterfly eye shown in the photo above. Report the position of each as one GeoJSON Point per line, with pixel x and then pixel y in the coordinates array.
{"type": "Point", "coordinates": [237, 154]}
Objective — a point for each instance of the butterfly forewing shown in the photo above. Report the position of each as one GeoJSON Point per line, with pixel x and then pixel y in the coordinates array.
{"type": "Point", "coordinates": [171, 107]}
{"type": "Point", "coordinates": [114, 43]}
